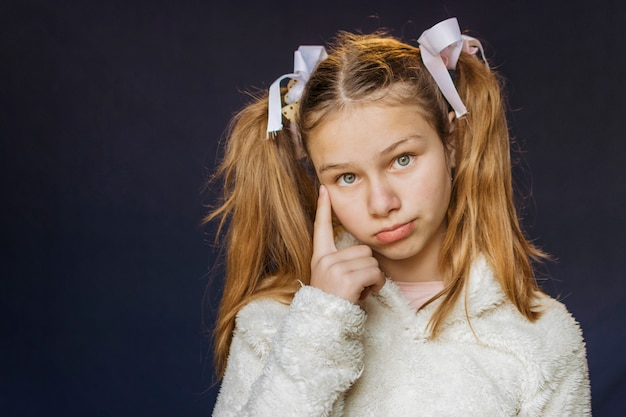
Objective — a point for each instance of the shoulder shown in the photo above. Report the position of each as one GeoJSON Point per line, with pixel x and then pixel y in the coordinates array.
{"type": "Point", "coordinates": [541, 346]}
{"type": "Point", "coordinates": [557, 328]}
{"type": "Point", "coordinates": [258, 321]}
{"type": "Point", "coordinates": [549, 347]}
{"type": "Point", "coordinates": [262, 311]}
{"type": "Point", "coordinates": [554, 334]}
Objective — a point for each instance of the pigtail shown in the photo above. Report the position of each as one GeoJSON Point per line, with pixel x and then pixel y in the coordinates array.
{"type": "Point", "coordinates": [267, 209]}
{"type": "Point", "coordinates": [482, 219]}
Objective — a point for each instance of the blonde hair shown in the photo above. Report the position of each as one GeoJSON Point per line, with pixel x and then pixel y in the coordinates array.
{"type": "Point", "coordinates": [269, 204]}
{"type": "Point", "coordinates": [269, 193]}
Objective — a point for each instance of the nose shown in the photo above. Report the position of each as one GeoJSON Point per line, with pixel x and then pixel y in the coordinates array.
{"type": "Point", "coordinates": [383, 198]}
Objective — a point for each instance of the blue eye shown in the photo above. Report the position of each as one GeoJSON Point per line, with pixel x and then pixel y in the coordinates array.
{"type": "Point", "coordinates": [403, 160]}
{"type": "Point", "coordinates": [346, 179]}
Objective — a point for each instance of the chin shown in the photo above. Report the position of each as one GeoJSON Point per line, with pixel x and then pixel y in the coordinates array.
{"type": "Point", "coordinates": [396, 254]}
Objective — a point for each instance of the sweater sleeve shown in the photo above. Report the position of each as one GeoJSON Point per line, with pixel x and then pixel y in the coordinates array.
{"type": "Point", "coordinates": [561, 380]}
{"type": "Point", "coordinates": [292, 363]}
{"type": "Point", "coordinates": [570, 395]}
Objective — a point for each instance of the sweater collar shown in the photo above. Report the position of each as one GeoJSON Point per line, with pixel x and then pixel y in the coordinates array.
{"type": "Point", "coordinates": [482, 292]}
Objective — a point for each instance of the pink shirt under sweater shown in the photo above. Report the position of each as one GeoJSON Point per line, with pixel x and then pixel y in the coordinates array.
{"type": "Point", "coordinates": [419, 292]}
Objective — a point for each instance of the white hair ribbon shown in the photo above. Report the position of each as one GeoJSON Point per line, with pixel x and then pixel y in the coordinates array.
{"type": "Point", "coordinates": [305, 60]}
{"type": "Point", "coordinates": [440, 47]}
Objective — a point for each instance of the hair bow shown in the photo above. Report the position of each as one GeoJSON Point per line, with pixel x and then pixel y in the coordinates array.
{"type": "Point", "coordinates": [305, 60]}
{"type": "Point", "coordinates": [440, 47]}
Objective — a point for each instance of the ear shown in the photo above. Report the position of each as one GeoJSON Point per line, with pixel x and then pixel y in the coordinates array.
{"type": "Point", "coordinates": [451, 143]}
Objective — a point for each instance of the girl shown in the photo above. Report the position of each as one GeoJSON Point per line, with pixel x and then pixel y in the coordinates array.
{"type": "Point", "coordinates": [404, 287]}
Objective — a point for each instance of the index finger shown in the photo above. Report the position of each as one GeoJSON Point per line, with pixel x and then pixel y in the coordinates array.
{"type": "Point", "coordinates": [323, 236]}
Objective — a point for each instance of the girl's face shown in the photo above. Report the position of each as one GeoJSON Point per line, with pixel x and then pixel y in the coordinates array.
{"type": "Point", "coordinates": [388, 177]}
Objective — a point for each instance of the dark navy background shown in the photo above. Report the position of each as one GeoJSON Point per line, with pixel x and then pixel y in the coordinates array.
{"type": "Point", "coordinates": [111, 117]}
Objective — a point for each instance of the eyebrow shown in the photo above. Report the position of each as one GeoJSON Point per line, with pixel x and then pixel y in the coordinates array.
{"type": "Point", "coordinates": [395, 145]}
{"type": "Point", "coordinates": [386, 151]}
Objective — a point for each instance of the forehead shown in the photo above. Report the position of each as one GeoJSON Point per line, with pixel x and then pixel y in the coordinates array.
{"type": "Point", "coordinates": [360, 132]}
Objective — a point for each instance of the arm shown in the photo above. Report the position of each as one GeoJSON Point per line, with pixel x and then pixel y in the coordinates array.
{"type": "Point", "coordinates": [571, 395]}
{"type": "Point", "coordinates": [297, 365]}
{"type": "Point", "coordinates": [560, 377]}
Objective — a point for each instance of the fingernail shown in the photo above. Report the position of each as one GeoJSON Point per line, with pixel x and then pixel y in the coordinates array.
{"type": "Point", "coordinates": [322, 189]}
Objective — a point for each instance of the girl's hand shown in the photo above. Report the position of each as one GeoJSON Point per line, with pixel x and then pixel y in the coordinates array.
{"type": "Point", "coordinates": [351, 273]}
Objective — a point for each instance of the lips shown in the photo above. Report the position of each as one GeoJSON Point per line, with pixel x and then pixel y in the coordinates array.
{"type": "Point", "coordinates": [395, 233]}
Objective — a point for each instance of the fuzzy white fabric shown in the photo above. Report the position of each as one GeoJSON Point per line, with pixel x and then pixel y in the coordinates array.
{"type": "Point", "coordinates": [324, 356]}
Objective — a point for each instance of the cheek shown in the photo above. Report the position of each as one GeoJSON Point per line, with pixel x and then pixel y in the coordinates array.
{"type": "Point", "coordinates": [429, 190]}
{"type": "Point", "coordinates": [438, 194]}
{"type": "Point", "coordinates": [436, 178]}
{"type": "Point", "coordinates": [339, 203]}
{"type": "Point", "coordinates": [346, 208]}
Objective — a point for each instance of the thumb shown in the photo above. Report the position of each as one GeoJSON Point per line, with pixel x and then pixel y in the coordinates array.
{"type": "Point", "coordinates": [323, 236]}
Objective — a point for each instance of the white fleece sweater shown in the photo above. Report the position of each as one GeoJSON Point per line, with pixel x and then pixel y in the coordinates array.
{"type": "Point", "coordinates": [324, 356]}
